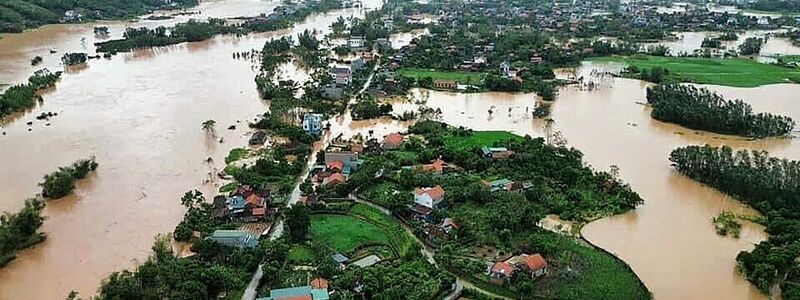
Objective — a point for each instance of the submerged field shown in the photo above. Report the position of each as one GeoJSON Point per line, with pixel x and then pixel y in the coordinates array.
{"type": "Point", "coordinates": [736, 72]}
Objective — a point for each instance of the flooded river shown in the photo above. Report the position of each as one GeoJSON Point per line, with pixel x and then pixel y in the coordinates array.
{"type": "Point", "coordinates": [140, 114]}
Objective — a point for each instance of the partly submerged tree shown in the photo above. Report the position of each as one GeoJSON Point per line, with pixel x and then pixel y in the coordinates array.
{"type": "Point", "coordinates": [210, 127]}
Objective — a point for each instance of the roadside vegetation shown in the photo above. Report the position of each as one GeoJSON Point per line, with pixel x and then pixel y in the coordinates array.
{"type": "Point", "coordinates": [24, 96]}
{"type": "Point", "coordinates": [60, 183]}
{"type": "Point", "coordinates": [770, 185]}
{"type": "Point", "coordinates": [736, 72]}
{"type": "Point", "coordinates": [699, 108]}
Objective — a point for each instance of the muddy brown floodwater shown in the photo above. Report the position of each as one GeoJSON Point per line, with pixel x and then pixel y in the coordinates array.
{"type": "Point", "coordinates": [669, 241]}
{"type": "Point", "coordinates": [140, 113]}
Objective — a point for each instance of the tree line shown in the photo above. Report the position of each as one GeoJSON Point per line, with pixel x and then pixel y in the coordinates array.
{"type": "Point", "coordinates": [699, 108]}
{"type": "Point", "coordinates": [17, 15]}
{"type": "Point", "coordinates": [770, 185]}
{"type": "Point", "coordinates": [23, 96]}
{"type": "Point", "coordinates": [191, 31]}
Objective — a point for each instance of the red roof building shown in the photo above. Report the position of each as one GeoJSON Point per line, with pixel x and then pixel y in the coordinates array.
{"type": "Point", "coordinates": [502, 269]}
{"type": "Point", "coordinates": [319, 283]}
{"type": "Point", "coordinates": [336, 165]}
{"type": "Point", "coordinates": [392, 141]}
{"type": "Point", "coordinates": [437, 166]}
{"type": "Point", "coordinates": [258, 212]}
{"type": "Point", "coordinates": [254, 201]}
{"type": "Point", "coordinates": [334, 179]}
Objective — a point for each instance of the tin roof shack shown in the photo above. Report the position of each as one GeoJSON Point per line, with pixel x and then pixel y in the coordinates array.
{"type": "Point", "coordinates": [235, 238]}
{"type": "Point", "coordinates": [312, 124]}
{"type": "Point", "coordinates": [258, 138]}
{"type": "Point", "coordinates": [497, 152]}
{"type": "Point", "coordinates": [297, 293]}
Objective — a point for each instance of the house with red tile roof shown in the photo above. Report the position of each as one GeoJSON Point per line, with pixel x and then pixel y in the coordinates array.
{"type": "Point", "coordinates": [533, 264]}
{"type": "Point", "coordinates": [426, 200]}
{"type": "Point", "coordinates": [334, 179]}
{"type": "Point", "coordinates": [430, 197]}
{"type": "Point", "coordinates": [392, 141]}
{"type": "Point", "coordinates": [501, 272]}
{"type": "Point", "coordinates": [319, 283]}
{"type": "Point", "coordinates": [437, 166]}
{"type": "Point", "coordinates": [253, 201]}
{"type": "Point", "coordinates": [334, 166]}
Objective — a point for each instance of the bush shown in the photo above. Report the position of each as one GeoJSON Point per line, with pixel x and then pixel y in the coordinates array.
{"type": "Point", "coordinates": [60, 183]}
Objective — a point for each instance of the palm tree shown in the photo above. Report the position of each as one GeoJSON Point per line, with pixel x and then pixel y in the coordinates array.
{"type": "Point", "coordinates": [209, 127]}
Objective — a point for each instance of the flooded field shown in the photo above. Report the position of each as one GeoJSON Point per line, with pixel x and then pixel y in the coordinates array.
{"type": "Point", "coordinates": [689, 41]}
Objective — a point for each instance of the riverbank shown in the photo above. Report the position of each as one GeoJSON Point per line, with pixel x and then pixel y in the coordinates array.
{"type": "Point", "coordinates": [734, 72]}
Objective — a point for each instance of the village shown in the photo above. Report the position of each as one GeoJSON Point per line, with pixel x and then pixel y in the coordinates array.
{"type": "Point", "coordinates": [414, 204]}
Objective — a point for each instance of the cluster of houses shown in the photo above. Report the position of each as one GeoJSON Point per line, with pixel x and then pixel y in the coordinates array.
{"type": "Point", "coordinates": [343, 76]}
{"type": "Point", "coordinates": [337, 169]}
{"type": "Point", "coordinates": [282, 11]}
{"type": "Point", "coordinates": [694, 17]}
{"type": "Point", "coordinates": [245, 203]}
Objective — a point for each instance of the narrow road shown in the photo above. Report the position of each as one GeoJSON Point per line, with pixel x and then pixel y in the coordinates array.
{"type": "Point", "coordinates": [250, 292]}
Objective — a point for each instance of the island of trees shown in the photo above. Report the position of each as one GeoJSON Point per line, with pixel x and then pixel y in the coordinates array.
{"type": "Point", "coordinates": [60, 183]}
{"type": "Point", "coordinates": [19, 231]}
{"type": "Point", "coordinates": [24, 96]}
{"type": "Point", "coordinates": [771, 185]}
{"type": "Point", "coordinates": [699, 108]}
